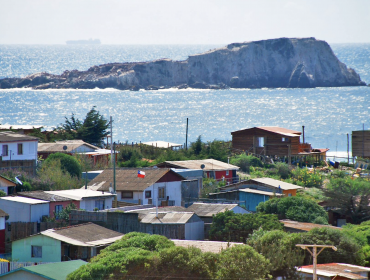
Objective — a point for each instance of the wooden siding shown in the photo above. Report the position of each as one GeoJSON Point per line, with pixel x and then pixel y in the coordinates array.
{"type": "Point", "coordinates": [361, 143]}
{"type": "Point", "coordinates": [246, 140]}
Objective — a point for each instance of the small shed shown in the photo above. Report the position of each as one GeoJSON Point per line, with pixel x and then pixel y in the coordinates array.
{"type": "Point", "coordinates": [361, 143]}
{"type": "Point", "coordinates": [24, 209]}
{"type": "Point", "coordinates": [6, 185]}
{"type": "Point", "coordinates": [54, 271]}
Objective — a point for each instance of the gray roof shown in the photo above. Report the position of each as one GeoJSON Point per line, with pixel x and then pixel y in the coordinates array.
{"type": "Point", "coordinates": [167, 218]}
{"type": "Point", "coordinates": [168, 209]}
{"type": "Point", "coordinates": [44, 196]}
{"type": "Point", "coordinates": [210, 209]}
{"type": "Point", "coordinates": [10, 136]}
{"type": "Point", "coordinates": [276, 183]}
{"type": "Point", "coordinates": [58, 146]}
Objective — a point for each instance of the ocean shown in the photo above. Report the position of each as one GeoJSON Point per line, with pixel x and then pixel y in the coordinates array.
{"type": "Point", "coordinates": [328, 114]}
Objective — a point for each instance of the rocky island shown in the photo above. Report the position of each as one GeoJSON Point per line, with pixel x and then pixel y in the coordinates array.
{"type": "Point", "coordinates": [283, 62]}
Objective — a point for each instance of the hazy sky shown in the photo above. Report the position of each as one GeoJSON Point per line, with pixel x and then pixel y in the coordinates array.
{"type": "Point", "coordinates": [182, 21]}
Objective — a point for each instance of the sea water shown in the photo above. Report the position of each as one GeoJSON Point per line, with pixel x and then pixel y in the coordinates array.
{"type": "Point", "coordinates": [328, 114]}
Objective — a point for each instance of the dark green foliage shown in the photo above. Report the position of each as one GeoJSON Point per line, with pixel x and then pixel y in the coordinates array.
{"type": "Point", "coordinates": [68, 163]}
{"type": "Point", "coordinates": [2, 193]}
{"type": "Point", "coordinates": [91, 130]}
{"type": "Point", "coordinates": [280, 249]}
{"type": "Point", "coordinates": [245, 162]}
{"type": "Point", "coordinates": [228, 226]}
{"type": "Point", "coordinates": [197, 145]}
{"type": "Point", "coordinates": [293, 208]}
{"type": "Point", "coordinates": [349, 250]}
{"type": "Point", "coordinates": [25, 187]}
{"type": "Point", "coordinates": [64, 214]}
{"type": "Point", "coordinates": [349, 197]}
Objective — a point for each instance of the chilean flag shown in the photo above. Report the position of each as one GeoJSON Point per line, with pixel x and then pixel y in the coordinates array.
{"type": "Point", "coordinates": [141, 174]}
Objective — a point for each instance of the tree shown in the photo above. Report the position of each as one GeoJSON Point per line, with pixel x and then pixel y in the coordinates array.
{"type": "Point", "coordinates": [68, 163]}
{"type": "Point", "coordinates": [91, 130]}
{"type": "Point", "coordinates": [280, 249]}
{"type": "Point", "coordinates": [295, 208]}
{"type": "Point", "coordinates": [349, 197]}
{"type": "Point", "coordinates": [245, 162]}
{"type": "Point", "coordinates": [228, 226]}
{"type": "Point", "coordinates": [64, 214]}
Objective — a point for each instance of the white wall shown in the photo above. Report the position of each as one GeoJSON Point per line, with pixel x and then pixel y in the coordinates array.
{"type": "Point", "coordinates": [29, 150]}
{"type": "Point", "coordinates": [89, 204]}
{"type": "Point", "coordinates": [194, 231]}
{"type": "Point", "coordinates": [173, 190]}
{"type": "Point", "coordinates": [2, 223]}
{"type": "Point", "coordinates": [23, 212]}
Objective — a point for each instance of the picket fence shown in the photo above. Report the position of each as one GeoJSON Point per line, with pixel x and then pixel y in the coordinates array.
{"type": "Point", "coordinates": [10, 266]}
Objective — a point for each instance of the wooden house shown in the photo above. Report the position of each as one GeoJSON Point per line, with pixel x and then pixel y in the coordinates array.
{"type": "Point", "coordinates": [361, 143]}
{"type": "Point", "coordinates": [267, 141]}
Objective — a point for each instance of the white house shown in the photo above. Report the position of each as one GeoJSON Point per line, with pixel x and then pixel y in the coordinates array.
{"type": "Point", "coordinates": [24, 209]}
{"type": "Point", "coordinates": [17, 149]}
{"type": "Point", "coordinates": [7, 185]}
{"type": "Point", "coordinates": [159, 184]}
{"type": "Point", "coordinates": [89, 199]}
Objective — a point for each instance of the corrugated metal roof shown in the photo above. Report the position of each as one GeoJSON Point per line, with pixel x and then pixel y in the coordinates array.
{"type": "Point", "coordinates": [210, 209]}
{"type": "Point", "coordinates": [10, 136]}
{"type": "Point", "coordinates": [276, 183]}
{"type": "Point", "coordinates": [206, 246]}
{"type": "Point", "coordinates": [210, 164]}
{"type": "Point", "coordinates": [44, 196]}
{"type": "Point", "coordinates": [87, 235]}
{"type": "Point", "coordinates": [260, 192]}
{"type": "Point", "coordinates": [127, 180]}
{"type": "Point", "coordinates": [336, 269]}
{"type": "Point", "coordinates": [162, 144]}
{"type": "Point", "coordinates": [167, 218]}
{"type": "Point", "coordinates": [24, 200]}
{"type": "Point", "coordinates": [79, 194]}
{"type": "Point", "coordinates": [59, 145]}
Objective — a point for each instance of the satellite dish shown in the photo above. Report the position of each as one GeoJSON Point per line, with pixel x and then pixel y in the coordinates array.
{"type": "Point", "coordinates": [65, 148]}
{"type": "Point", "coordinates": [202, 166]}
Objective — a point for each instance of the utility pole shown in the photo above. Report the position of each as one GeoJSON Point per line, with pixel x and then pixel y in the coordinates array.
{"type": "Point", "coordinates": [187, 125]}
{"type": "Point", "coordinates": [314, 254]}
{"type": "Point", "coordinates": [111, 138]}
{"type": "Point", "coordinates": [114, 174]}
{"type": "Point", "coordinates": [348, 147]}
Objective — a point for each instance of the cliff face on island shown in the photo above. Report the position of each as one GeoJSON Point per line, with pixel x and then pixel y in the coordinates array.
{"type": "Point", "coordinates": [284, 62]}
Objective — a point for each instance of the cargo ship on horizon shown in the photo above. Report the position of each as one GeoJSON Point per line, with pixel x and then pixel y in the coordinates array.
{"type": "Point", "coordinates": [84, 42]}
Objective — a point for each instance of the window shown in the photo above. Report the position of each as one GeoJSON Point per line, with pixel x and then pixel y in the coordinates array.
{"type": "Point", "coordinates": [284, 139]}
{"type": "Point", "coordinates": [5, 151]}
{"type": "Point", "coordinates": [227, 172]}
{"type": "Point", "coordinates": [162, 192]}
{"type": "Point", "coordinates": [148, 194]}
{"type": "Point", "coordinates": [36, 251]}
{"type": "Point", "coordinates": [127, 194]}
{"type": "Point", "coordinates": [58, 209]}
{"type": "Point", "coordinates": [20, 149]}
{"type": "Point", "coordinates": [99, 204]}
{"type": "Point", "coordinates": [260, 141]}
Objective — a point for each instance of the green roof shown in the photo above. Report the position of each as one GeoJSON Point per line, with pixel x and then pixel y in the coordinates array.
{"type": "Point", "coordinates": [55, 271]}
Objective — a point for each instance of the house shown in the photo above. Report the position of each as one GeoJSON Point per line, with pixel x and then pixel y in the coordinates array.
{"type": "Point", "coordinates": [18, 151]}
{"type": "Point", "coordinates": [160, 184]}
{"type": "Point", "coordinates": [205, 211]}
{"type": "Point", "coordinates": [337, 271]}
{"type": "Point", "coordinates": [212, 168]}
{"type": "Point", "coordinates": [361, 143]}
{"type": "Point", "coordinates": [7, 186]}
{"type": "Point", "coordinates": [265, 184]}
{"type": "Point", "coordinates": [3, 217]}
{"type": "Point", "coordinates": [54, 271]}
{"type": "Point", "coordinates": [22, 128]}
{"type": "Point", "coordinates": [56, 202]}
{"type": "Point", "coordinates": [89, 200]}
{"type": "Point", "coordinates": [24, 209]}
{"type": "Point", "coordinates": [273, 141]}
{"type": "Point", "coordinates": [249, 198]}
{"type": "Point", "coordinates": [82, 241]}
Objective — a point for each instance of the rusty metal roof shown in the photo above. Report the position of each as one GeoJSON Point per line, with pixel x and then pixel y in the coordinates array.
{"type": "Point", "coordinates": [206, 246]}
{"type": "Point", "coordinates": [127, 180]}
{"type": "Point", "coordinates": [10, 136]}
{"type": "Point", "coordinates": [304, 226]}
{"type": "Point", "coordinates": [209, 209]}
{"type": "Point", "coordinates": [210, 164]}
{"type": "Point", "coordinates": [346, 271]}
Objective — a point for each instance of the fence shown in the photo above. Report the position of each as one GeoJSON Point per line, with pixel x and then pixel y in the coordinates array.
{"type": "Point", "coordinates": [6, 267]}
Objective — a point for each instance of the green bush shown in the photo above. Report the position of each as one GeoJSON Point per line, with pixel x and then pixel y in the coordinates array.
{"type": "Point", "coordinates": [2, 193]}
{"type": "Point", "coordinates": [303, 177]}
{"type": "Point", "coordinates": [293, 208]}
{"type": "Point", "coordinates": [245, 162]}
{"type": "Point", "coordinates": [68, 163]}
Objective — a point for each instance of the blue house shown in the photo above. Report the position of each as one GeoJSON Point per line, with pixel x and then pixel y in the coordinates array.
{"type": "Point", "coordinates": [249, 198]}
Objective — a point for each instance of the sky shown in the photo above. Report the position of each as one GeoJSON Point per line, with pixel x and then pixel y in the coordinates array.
{"type": "Point", "coordinates": [182, 21]}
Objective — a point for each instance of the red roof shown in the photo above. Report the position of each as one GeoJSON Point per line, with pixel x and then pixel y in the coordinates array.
{"type": "Point", "coordinates": [277, 129]}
